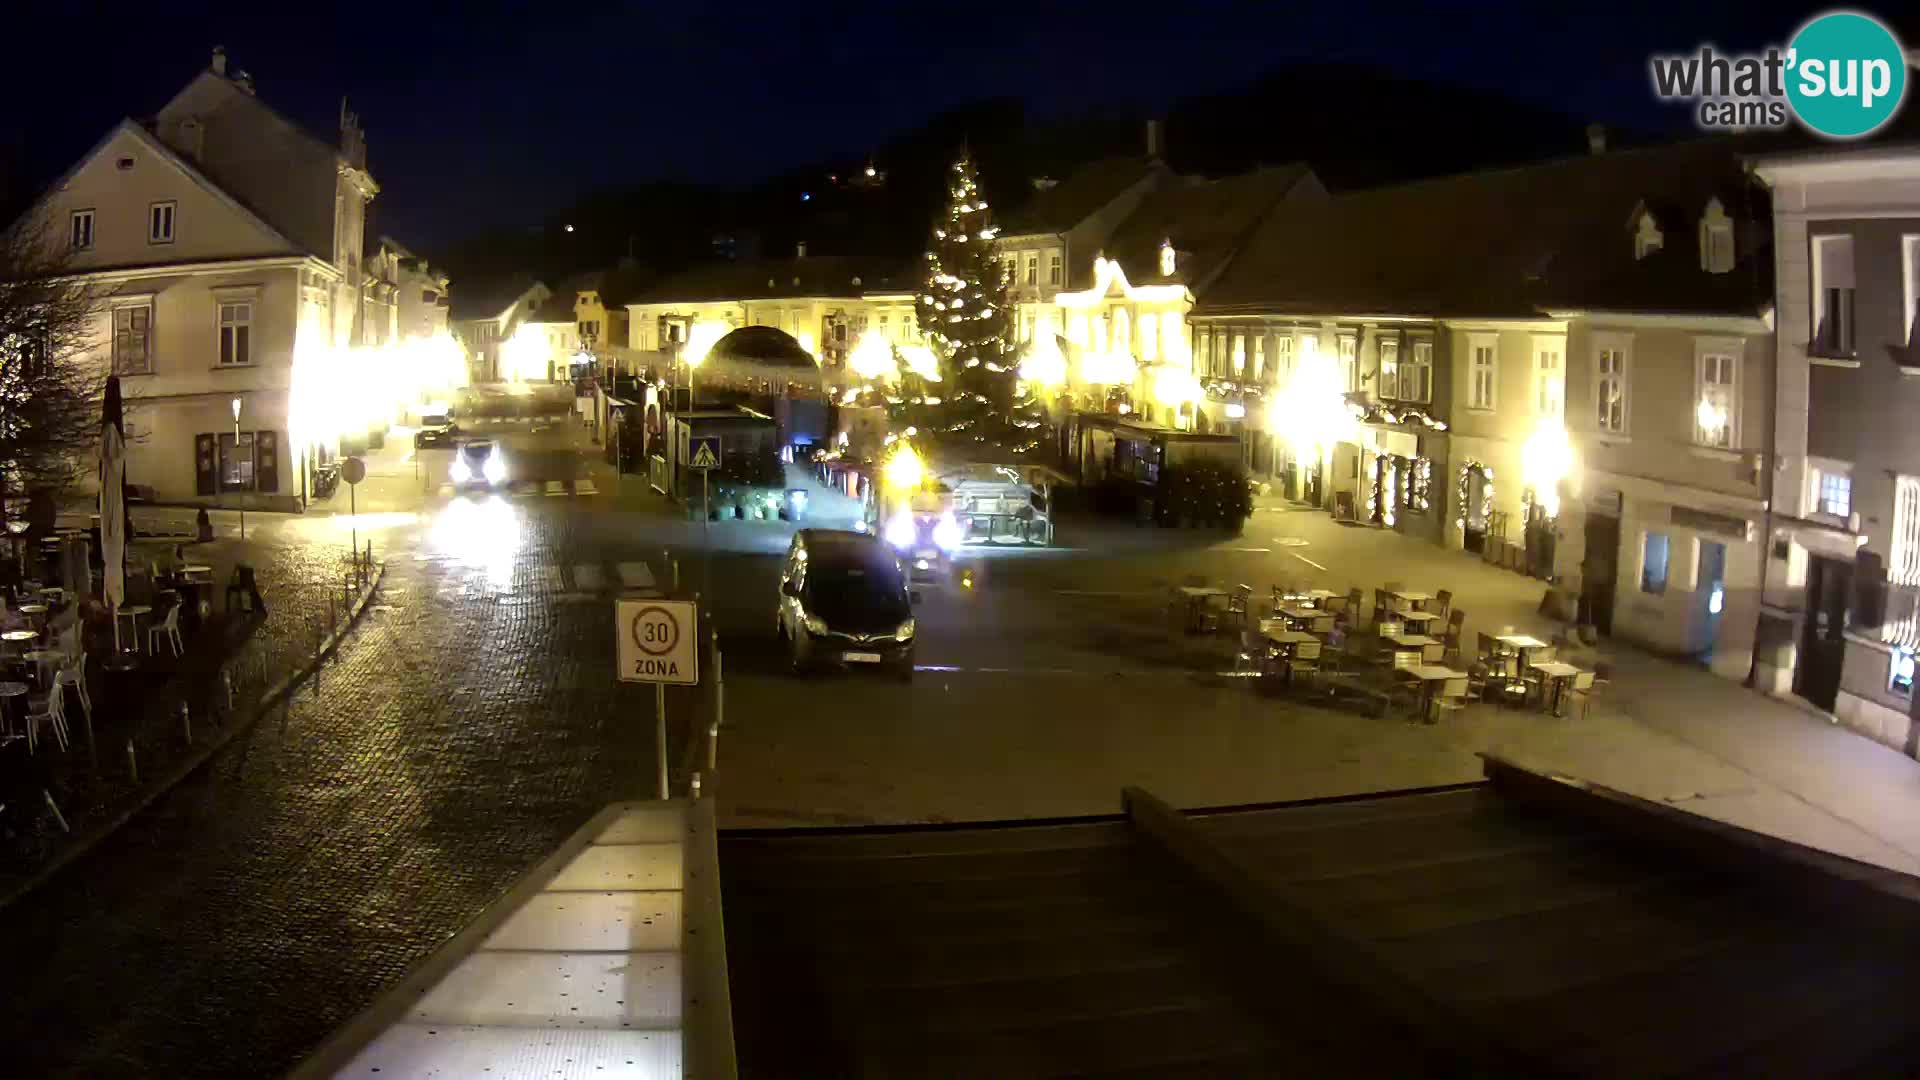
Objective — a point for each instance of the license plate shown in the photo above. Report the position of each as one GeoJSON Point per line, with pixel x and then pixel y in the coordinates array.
{"type": "Point", "coordinates": [863, 657]}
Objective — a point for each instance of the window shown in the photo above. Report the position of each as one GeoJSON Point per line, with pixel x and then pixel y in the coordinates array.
{"type": "Point", "coordinates": [236, 462]}
{"type": "Point", "coordinates": [1033, 269]}
{"type": "Point", "coordinates": [428, 296]}
{"type": "Point", "coordinates": [160, 223]}
{"type": "Point", "coordinates": [1171, 337]}
{"type": "Point", "coordinates": [1482, 371]}
{"type": "Point", "coordinates": [1348, 346]}
{"type": "Point", "coordinates": [1833, 492]}
{"type": "Point", "coordinates": [1239, 354]}
{"type": "Point", "coordinates": [1653, 563]}
{"type": "Point", "coordinates": [1716, 420]}
{"type": "Point", "coordinates": [1053, 268]}
{"type": "Point", "coordinates": [1832, 296]}
{"type": "Point", "coordinates": [1904, 565]}
{"type": "Point", "coordinates": [1549, 378]}
{"type": "Point", "coordinates": [1900, 671]}
{"type": "Point", "coordinates": [1910, 279]}
{"type": "Point", "coordinates": [1283, 352]}
{"type": "Point", "coordinates": [1389, 381]}
{"type": "Point", "coordinates": [1149, 336]}
{"type": "Point", "coordinates": [1260, 357]}
{"type": "Point", "coordinates": [1610, 386]}
{"type": "Point", "coordinates": [80, 236]}
{"type": "Point", "coordinates": [1716, 239]}
{"type": "Point", "coordinates": [1647, 237]}
{"type": "Point", "coordinates": [132, 338]}
{"type": "Point", "coordinates": [1416, 376]}
{"type": "Point", "coordinates": [236, 334]}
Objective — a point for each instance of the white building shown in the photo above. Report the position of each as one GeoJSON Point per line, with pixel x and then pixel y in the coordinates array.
{"type": "Point", "coordinates": [226, 239]}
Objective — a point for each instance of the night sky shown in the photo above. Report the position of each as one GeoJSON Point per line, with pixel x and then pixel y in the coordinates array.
{"type": "Point", "coordinates": [479, 115]}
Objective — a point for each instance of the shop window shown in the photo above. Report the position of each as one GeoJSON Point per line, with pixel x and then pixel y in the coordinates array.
{"type": "Point", "coordinates": [1653, 563]}
{"type": "Point", "coordinates": [236, 462]}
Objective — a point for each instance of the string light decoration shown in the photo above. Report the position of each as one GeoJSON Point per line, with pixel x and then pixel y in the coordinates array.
{"type": "Point", "coordinates": [1464, 491]}
{"type": "Point", "coordinates": [963, 306]}
{"type": "Point", "coordinates": [1420, 485]}
{"type": "Point", "coordinates": [1388, 487]}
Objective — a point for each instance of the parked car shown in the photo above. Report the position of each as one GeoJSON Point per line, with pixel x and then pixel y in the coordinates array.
{"type": "Point", "coordinates": [844, 603]}
{"type": "Point", "coordinates": [479, 464]}
{"type": "Point", "coordinates": [437, 436]}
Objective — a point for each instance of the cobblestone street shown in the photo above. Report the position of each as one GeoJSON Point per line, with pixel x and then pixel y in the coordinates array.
{"type": "Point", "coordinates": [455, 740]}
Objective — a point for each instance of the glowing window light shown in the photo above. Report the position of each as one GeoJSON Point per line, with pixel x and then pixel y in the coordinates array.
{"type": "Point", "coordinates": [1175, 386]}
{"type": "Point", "coordinates": [702, 336]}
{"type": "Point", "coordinates": [919, 360]}
{"type": "Point", "coordinates": [1108, 369]}
{"type": "Point", "coordinates": [903, 470]}
{"type": "Point", "coordinates": [1310, 410]}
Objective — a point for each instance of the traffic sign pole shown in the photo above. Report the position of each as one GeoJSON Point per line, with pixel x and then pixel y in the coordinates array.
{"type": "Point", "coordinates": [660, 732]}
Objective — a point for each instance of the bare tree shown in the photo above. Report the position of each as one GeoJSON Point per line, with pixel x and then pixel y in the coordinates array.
{"type": "Point", "coordinates": [50, 385]}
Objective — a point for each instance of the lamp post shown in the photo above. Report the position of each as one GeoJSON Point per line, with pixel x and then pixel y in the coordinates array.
{"type": "Point", "coordinates": [236, 454]}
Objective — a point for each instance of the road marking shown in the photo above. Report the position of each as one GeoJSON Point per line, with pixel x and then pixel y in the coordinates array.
{"type": "Point", "coordinates": [1308, 561]}
{"type": "Point", "coordinates": [1289, 541]}
{"type": "Point", "coordinates": [1256, 551]}
{"type": "Point", "coordinates": [1094, 592]}
{"type": "Point", "coordinates": [949, 669]}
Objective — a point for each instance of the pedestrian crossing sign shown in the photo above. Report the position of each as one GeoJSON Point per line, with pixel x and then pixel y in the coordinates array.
{"type": "Point", "coordinates": [705, 453]}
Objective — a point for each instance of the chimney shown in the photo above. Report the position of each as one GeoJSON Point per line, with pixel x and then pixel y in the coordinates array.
{"type": "Point", "coordinates": [1596, 138]}
{"type": "Point", "coordinates": [244, 81]}
{"type": "Point", "coordinates": [800, 250]}
{"type": "Point", "coordinates": [219, 59]}
{"type": "Point", "coordinates": [1155, 147]}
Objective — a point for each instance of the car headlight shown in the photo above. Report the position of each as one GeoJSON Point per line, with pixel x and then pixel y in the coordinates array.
{"type": "Point", "coordinates": [816, 624]}
{"type": "Point", "coordinates": [901, 532]}
{"type": "Point", "coordinates": [495, 469]}
{"type": "Point", "coordinates": [461, 474]}
{"type": "Point", "coordinates": [903, 632]}
{"type": "Point", "coordinates": [946, 533]}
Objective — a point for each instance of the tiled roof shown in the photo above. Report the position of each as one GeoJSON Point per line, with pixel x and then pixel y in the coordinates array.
{"type": "Point", "coordinates": [759, 279]}
{"type": "Point", "coordinates": [1072, 200]}
{"type": "Point", "coordinates": [1206, 220]}
{"type": "Point", "coordinates": [1512, 243]}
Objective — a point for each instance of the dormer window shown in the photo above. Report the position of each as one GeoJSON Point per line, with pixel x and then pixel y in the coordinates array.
{"type": "Point", "coordinates": [1647, 237]}
{"type": "Point", "coordinates": [1716, 239]}
{"type": "Point", "coordinates": [1167, 258]}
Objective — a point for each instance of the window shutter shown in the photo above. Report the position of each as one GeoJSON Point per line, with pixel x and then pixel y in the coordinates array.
{"type": "Point", "coordinates": [266, 469]}
{"type": "Point", "coordinates": [205, 470]}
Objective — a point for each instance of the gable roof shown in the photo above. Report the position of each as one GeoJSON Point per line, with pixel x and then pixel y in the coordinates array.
{"type": "Point", "coordinates": [151, 142]}
{"type": "Point", "coordinates": [1511, 243]}
{"type": "Point", "coordinates": [766, 279]}
{"type": "Point", "coordinates": [208, 76]}
{"type": "Point", "coordinates": [1071, 201]}
{"type": "Point", "coordinates": [1206, 221]}
{"type": "Point", "coordinates": [488, 299]}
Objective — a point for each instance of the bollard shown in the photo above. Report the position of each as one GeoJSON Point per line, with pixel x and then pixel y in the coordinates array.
{"type": "Point", "coordinates": [186, 721]}
{"type": "Point", "coordinates": [695, 787]}
{"type": "Point", "coordinates": [55, 807]}
{"type": "Point", "coordinates": [719, 707]}
{"type": "Point", "coordinates": [133, 766]}
{"type": "Point", "coordinates": [330, 610]}
{"type": "Point", "coordinates": [226, 680]}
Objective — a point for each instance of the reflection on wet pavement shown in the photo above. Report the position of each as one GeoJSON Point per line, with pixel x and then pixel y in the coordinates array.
{"type": "Point", "coordinates": [484, 534]}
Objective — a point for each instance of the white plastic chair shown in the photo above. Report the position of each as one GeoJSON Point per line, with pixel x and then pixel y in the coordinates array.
{"type": "Point", "coordinates": [51, 708]}
{"type": "Point", "coordinates": [74, 674]}
{"type": "Point", "coordinates": [170, 627]}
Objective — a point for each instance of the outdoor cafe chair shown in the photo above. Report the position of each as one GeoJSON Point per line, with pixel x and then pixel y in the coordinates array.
{"type": "Point", "coordinates": [1304, 659]}
{"type": "Point", "coordinates": [1237, 602]}
{"type": "Point", "coordinates": [169, 631]}
{"type": "Point", "coordinates": [1582, 689]}
{"type": "Point", "coordinates": [1442, 603]}
{"type": "Point", "coordinates": [75, 675]}
{"type": "Point", "coordinates": [1253, 653]}
{"type": "Point", "coordinates": [48, 709]}
{"type": "Point", "coordinates": [1351, 612]}
{"type": "Point", "coordinates": [1380, 608]}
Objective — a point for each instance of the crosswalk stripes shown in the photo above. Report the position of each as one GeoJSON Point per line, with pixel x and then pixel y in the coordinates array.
{"type": "Point", "coordinates": [635, 575]}
{"type": "Point", "coordinates": [545, 488]}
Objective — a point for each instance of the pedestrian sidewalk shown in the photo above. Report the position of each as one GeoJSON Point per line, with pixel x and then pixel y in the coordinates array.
{"type": "Point", "coordinates": [1663, 729]}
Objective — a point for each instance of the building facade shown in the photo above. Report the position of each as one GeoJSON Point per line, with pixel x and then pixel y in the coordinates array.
{"type": "Point", "coordinates": [484, 320]}
{"type": "Point", "coordinates": [1843, 569]}
{"type": "Point", "coordinates": [225, 241]}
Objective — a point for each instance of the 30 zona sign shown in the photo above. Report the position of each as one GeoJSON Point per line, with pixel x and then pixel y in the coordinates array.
{"type": "Point", "coordinates": [658, 641]}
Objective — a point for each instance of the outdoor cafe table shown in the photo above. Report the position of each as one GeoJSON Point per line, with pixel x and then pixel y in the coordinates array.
{"type": "Point", "coordinates": [1420, 617]}
{"type": "Point", "coordinates": [1197, 597]}
{"type": "Point", "coordinates": [8, 692]}
{"type": "Point", "coordinates": [1415, 641]}
{"type": "Point", "coordinates": [1521, 643]}
{"type": "Point", "coordinates": [1557, 674]}
{"type": "Point", "coordinates": [1302, 613]}
{"type": "Point", "coordinates": [1432, 677]}
{"type": "Point", "coordinates": [1282, 638]}
{"type": "Point", "coordinates": [1413, 599]}
{"type": "Point", "coordinates": [196, 568]}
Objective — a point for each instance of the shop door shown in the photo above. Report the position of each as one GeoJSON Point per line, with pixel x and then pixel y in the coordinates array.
{"type": "Point", "coordinates": [1474, 530]}
{"type": "Point", "coordinates": [1712, 591]}
{"type": "Point", "coordinates": [1600, 573]}
{"type": "Point", "coordinates": [1822, 644]}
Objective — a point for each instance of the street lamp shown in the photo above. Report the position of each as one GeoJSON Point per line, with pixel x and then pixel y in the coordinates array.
{"type": "Point", "coordinates": [236, 454]}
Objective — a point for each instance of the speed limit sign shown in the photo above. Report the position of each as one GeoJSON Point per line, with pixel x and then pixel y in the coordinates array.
{"type": "Point", "coordinates": [658, 641]}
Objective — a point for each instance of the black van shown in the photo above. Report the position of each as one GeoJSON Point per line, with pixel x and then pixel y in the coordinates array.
{"type": "Point", "coordinates": [844, 603]}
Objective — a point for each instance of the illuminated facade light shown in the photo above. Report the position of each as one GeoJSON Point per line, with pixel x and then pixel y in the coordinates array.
{"type": "Point", "coordinates": [1546, 460]}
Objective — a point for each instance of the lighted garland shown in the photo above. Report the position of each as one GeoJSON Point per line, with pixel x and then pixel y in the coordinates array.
{"type": "Point", "coordinates": [1388, 485]}
{"type": "Point", "coordinates": [1420, 485]}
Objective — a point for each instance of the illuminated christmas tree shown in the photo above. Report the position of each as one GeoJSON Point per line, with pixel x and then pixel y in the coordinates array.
{"type": "Point", "coordinates": [963, 312]}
